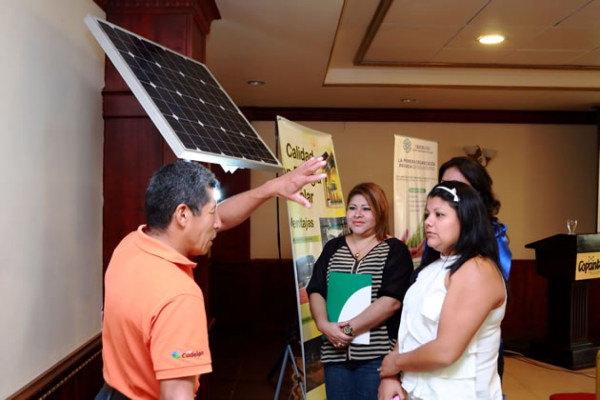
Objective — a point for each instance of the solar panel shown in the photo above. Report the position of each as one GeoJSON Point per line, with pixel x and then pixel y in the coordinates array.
{"type": "Point", "coordinates": [189, 107]}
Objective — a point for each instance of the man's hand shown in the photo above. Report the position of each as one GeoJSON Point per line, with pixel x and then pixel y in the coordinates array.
{"type": "Point", "coordinates": [236, 209]}
{"type": "Point", "coordinates": [289, 185]}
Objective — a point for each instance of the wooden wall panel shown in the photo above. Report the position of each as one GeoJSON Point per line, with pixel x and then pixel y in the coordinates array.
{"type": "Point", "coordinates": [257, 294]}
{"type": "Point", "coordinates": [132, 152]}
{"type": "Point", "coordinates": [77, 376]}
{"type": "Point", "coordinates": [262, 293]}
{"type": "Point", "coordinates": [526, 318]}
{"type": "Point", "coordinates": [240, 289]}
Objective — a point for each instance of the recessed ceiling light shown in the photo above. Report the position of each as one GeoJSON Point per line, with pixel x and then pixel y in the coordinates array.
{"type": "Point", "coordinates": [490, 39]}
{"type": "Point", "coordinates": [256, 83]}
{"type": "Point", "coordinates": [408, 100]}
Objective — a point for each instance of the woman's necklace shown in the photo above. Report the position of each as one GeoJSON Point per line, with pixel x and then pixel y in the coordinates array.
{"type": "Point", "coordinates": [359, 251]}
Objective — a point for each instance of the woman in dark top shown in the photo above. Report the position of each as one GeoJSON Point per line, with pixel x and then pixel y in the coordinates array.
{"type": "Point", "coordinates": [465, 170]}
{"type": "Point", "coordinates": [350, 367]}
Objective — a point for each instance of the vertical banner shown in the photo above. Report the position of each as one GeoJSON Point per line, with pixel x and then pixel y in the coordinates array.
{"type": "Point", "coordinates": [415, 174]}
{"type": "Point", "coordinates": [310, 230]}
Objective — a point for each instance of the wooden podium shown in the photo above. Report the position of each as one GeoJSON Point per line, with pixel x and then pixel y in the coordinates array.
{"type": "Point", "coordinates": [568, 261]}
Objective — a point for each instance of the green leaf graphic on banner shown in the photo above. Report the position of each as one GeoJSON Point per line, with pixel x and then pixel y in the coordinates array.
{"type": "Point", "coordinates": [341, 287]}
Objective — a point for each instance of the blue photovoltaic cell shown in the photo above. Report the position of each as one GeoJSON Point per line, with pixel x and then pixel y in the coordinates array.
{"type": "Point", "coordinates": [189, 98]}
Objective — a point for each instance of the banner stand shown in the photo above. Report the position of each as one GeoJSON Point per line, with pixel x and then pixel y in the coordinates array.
{"type": "Point", "coordinates": [290, 353]}
{"type": "Point", "coordinates": [291, 337]}
{"type": "Point", "coordinates": [310, 229]}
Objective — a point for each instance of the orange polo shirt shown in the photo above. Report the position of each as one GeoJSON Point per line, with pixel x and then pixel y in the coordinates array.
{"type": "Point", "coordinates": [154, 318]}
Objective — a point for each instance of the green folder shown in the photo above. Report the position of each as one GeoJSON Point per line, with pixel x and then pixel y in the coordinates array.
{"type": "Point", "coordinates": [347, 296]}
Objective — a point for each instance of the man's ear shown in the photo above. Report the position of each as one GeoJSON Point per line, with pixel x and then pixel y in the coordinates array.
{"type": "Point", "coordinates": [182, 215]}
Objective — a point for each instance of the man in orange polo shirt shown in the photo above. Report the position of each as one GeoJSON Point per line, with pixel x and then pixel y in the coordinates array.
{"type": "Point", "coordinates": [155, 339]}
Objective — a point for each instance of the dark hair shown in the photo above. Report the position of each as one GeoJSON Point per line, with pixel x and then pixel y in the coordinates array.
{"type": "Point", "coordinates": [479, 178]}
{"type": "Point", "coordinates": [377, 200]}
{"type": "Point", "coordinates": [180, 182]}
{"type": "Point", "coordinates": [476, 232]}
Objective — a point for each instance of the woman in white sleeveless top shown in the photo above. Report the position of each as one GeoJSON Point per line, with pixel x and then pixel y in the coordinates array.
{"type": "Point", "coordinates": [449, 332]}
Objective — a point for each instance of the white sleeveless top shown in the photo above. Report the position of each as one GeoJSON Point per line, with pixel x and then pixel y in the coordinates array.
{"type": "Point", "coordinates": [474, 376]}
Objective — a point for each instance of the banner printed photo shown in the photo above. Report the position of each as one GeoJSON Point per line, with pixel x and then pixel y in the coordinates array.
{"type": "Point", "coordinates": [415, 174]}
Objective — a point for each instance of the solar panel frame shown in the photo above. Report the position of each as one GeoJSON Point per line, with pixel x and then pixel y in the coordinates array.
{"type": "Point", "coordinates": [187, 138]}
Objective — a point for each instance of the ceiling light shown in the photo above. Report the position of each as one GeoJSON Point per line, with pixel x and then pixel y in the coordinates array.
{"type": "Point", "coordinates": [408, 100]}
{"type": "Point", "coordinates": [490, 39]}
{"type": "Point", "coordinates": [256, 83]}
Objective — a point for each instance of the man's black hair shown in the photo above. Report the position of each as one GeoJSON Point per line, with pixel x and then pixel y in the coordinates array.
{"type": "Point", "coordinates": [180, 182]}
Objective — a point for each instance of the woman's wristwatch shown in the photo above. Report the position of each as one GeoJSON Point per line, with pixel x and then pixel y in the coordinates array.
{"type": "Point", "coordinates": [348, 330]}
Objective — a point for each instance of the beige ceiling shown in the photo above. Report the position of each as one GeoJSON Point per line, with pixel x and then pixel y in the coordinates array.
{"type": "Point", "coordinates": [375, 53]}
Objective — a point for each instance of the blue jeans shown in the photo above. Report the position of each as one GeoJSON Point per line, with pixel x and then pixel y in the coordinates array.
{"type": "Point", "coordinates": [101, 395]}
{"type": "Point", "coordinates": [108, 393]}
{"type": "Point", "coordinates": [352, 380]}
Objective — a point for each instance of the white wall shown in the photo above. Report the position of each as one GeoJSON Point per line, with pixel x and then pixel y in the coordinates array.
{"type": "Point", "coordinates": [51, 76]}
{"type": "Point", "coordinates": [543, 174]}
